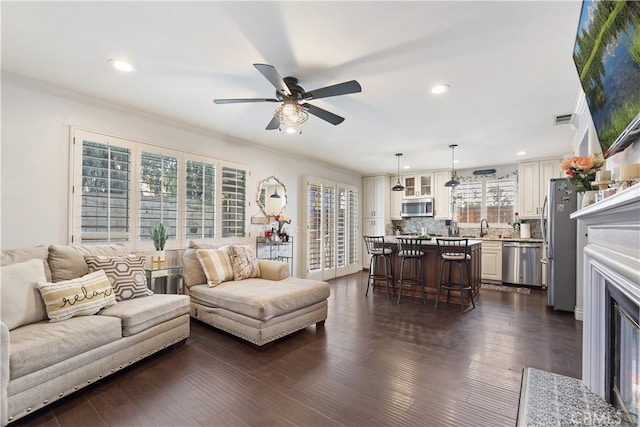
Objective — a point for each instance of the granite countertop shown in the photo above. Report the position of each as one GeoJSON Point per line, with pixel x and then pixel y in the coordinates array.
{"type": "Point", "coordinates": [512, 239]}
{"type": "Point", "coordinates": [431, 241]}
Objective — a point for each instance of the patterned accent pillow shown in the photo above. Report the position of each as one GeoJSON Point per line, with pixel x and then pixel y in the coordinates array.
{"type": "Point", "coordinates": [83, 296]}
{"type": "Point", "coordinates": [126, 274]}
{"type": "Point", "coordinates": [216, 265]}
{"type": "Point", "coordinates": [244, 262]}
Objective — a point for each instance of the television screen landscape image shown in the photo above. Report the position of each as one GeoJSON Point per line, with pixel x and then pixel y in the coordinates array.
{"type": "Point", "coordinates": [607, 57]}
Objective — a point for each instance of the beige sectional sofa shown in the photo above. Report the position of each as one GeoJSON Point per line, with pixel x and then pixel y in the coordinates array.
{"type": "Point", "coordinates": [42, 360]}
{"type": "Point", "coordinates": [258, 309]}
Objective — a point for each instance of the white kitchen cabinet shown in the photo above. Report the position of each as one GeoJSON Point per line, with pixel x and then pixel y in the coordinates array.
{"type": "Point", "coordinates": [533, 184]}
{"type": "Point", "coordinates": [492, 260]}
{"type": "Point", "coordinates": [375, 209]}
{"type": "Point", "coordinates": [418, 185]}
{"type": "Point", "coordinates": [441, 195]}
{"type": "Point", "coordinates": [395, 201]}
{"type": "Point", "coordinates": [375, 203]}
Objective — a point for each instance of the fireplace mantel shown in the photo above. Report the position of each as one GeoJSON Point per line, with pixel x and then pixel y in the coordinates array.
{"type": "Point", "coordinates": [612, 254]}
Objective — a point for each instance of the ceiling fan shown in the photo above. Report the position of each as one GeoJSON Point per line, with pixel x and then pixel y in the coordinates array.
{"type": "Point", "coordinates": [291, 112]}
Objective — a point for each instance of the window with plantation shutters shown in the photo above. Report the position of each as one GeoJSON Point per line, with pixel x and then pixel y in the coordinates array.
{"type": "Point", "coordinates": [200, 200]}
{"type": "Point", "coordinates": [469, 198]}
{"type": "Point", "coordinates": [332, 235]}
{"type": "Point", "coordinates": [103, 191]}
{"type": "Point", "coordinates": [158, 194]}
{"type": "Point", "coordinates": [234, 202]}
{"type": "Point", "coordinates": [121, 189]}
{"type": "Point", "coordinates": [492, 199]}
{"type": "Point", "coordinates": [500, 196]}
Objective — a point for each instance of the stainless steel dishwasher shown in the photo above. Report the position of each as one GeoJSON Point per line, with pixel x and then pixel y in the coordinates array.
{"type": "Point", "coordinates": [521, 263]}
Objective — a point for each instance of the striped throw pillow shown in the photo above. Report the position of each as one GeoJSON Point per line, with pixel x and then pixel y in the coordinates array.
{"type": "Point", "coordinates": [216, 265]}
{"type": "Point", "coordinates": [83, 296]}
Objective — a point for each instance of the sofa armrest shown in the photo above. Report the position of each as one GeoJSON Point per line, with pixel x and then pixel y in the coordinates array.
{"type": "Point", "coordinates": [4, 372]}
{"type": "Point", "coordinates": [273, 270]}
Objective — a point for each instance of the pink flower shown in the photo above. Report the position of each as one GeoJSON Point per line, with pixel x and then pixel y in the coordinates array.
{"type": "Point", "coordinates": [584, 163]}
{"type": "Point", "coordinates": [566, 163]}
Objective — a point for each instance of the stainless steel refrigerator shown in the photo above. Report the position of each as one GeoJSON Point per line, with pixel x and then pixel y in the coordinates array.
{"type": "Point", "coordinates": [559, 233]}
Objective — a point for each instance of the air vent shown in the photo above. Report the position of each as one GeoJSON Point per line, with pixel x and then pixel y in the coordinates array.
{"type": "Point", "coordinates": [563, 119]}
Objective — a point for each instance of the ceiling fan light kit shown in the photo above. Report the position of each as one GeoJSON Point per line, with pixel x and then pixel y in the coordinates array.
{"type": "Point", "coordinates": [398, 186]}
{"type": "Point", "coordinates": [291, 112]}
{"type": "Point", "coordinates": [453, 182]}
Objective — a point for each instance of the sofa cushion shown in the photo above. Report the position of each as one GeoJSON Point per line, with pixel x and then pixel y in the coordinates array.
{"type": "Point", "coordinates": [77, 297]}
{"type": "Point", "coordinates": [20, 301]}
{"type": "Point", "coordinates": [12, 256]}
{"type": "Point", "coordinates": [67, 262]}
{"type": "Point", "coordinates": [42, 344]}
{"type": "Point", "coordinates": [262, 299]}
{"type": "Point", "coordinates": [126, 274]}
{"type": "Point", "coordinates": [142, 313]}
{"type": "Point", "coordinates": [244, 262]}
{"type": "Point", "coordinates": [193, 274]}
{"type": "Point", "coordinates": [216, 265]}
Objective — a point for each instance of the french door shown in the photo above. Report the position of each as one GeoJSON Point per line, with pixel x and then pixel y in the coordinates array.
{"type": "Point", "coordinates": [332, 245]}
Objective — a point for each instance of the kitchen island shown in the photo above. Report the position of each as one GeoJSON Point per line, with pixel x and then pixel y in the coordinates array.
{"type": "Point", "coordinates": [431, 269]}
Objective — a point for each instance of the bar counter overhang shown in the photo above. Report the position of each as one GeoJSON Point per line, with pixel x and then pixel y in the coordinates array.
{"type": "Point", "coordinates": [431, 266]}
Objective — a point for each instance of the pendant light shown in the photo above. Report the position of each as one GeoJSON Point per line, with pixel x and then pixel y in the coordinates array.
{"type": "Point", "coordinates": [398, 186]}
{"type": "Point", "coordinates": [275, 194]}
{"type": "Point", "coordinates": [454, 178]}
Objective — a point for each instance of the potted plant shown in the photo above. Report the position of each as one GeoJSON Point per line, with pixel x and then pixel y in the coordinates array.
{"type": "Point", "coordinates": [159, 238]}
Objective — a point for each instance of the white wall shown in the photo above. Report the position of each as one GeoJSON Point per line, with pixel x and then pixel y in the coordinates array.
{"type": "Point", "coordinates": [35, 159]}
{"type": "Point", "coordinates": [586, 142]}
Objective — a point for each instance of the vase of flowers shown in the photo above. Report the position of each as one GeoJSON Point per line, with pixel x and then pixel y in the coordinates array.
{"type": "Point", "coordinates": [282, 220]}
{"type": "Point", "coordinates": [581, 170]}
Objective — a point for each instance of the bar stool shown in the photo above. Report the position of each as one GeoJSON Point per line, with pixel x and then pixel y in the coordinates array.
{"type": "Point", "coordinates": [377, 251]}
{"type": "Point", "coordinates": [455, 251]}
{"type": "Point", "coordinates": [410, 249]}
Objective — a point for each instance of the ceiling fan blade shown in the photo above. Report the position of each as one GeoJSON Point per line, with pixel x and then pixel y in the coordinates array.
{"type": "Point", "coordinates": [274, 77]}
{"type": "Point", "coordinates": [235, 101]}
{"type": "Point", "coordinates": [335, 90]}
{"type": "Point", "coordinates": [325, 115]}
{"type": "Point", "coordinates": [273, 124]}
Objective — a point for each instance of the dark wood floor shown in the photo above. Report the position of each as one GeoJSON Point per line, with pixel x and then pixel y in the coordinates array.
{"type": "Point", "coordinates": [374, 363]}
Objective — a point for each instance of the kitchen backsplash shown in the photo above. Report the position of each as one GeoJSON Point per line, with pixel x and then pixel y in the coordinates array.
{"type": "Point", "coordinates": [439, 227]}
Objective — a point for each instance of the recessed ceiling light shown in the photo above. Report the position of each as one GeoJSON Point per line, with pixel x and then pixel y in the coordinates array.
{"type": "Point", "coordinates": [456, 161]}
{"type": "Point", "coordinates": [407, 167]}
{"type": "Point", "coordinates": [123, 66]}
{"type": "Point", "coordinates": [521, 153]}
{"type": "Point", "coordinates": [439, 89]}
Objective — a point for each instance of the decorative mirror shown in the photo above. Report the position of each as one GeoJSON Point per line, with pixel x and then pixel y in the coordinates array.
{"type": "Point", "coordinates": [272, 196]}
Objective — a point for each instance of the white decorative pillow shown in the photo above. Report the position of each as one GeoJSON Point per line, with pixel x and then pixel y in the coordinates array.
{"type": "Point", "coordinates": [244, 262]}
{"type": "Point", "coordinates": [216, 265]}
{"type": "Point", "coordinates": [20, 302]}
{"type": "Point", "coordinates": [83, 296]}
{"type": "Point", "coordinates": [126, 274]}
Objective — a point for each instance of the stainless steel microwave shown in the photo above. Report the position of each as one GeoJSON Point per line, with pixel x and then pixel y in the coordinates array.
{"type": "Point", "coordinates": [417, 207]}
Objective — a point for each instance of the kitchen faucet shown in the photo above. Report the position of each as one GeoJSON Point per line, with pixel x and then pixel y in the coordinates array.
{"type": "Point", "coordinates": [482, 231]}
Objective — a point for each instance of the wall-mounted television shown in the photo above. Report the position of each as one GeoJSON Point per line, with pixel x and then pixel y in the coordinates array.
{"type": "Point", "coordinates": [607, 56]}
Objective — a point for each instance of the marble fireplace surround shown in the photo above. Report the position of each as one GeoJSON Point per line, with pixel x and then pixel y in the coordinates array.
{"type": "Point", "coordinates": [612, 254]}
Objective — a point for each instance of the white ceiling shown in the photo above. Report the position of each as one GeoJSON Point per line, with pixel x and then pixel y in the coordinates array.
{"type": "Point", "coordinates": [508, 64]}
